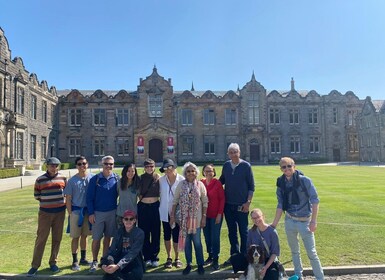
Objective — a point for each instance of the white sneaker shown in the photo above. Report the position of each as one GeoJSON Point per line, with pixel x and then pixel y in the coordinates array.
{"type": "Point", "coordinates": [155, 264]}
{"type": "Point", "coordinates": [94, 266]}
{"type": "Point", "coordinates": [148, 263]}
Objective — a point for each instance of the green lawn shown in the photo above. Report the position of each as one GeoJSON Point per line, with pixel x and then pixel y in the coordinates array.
{"type": "Point", "coordinates": [350, 224]}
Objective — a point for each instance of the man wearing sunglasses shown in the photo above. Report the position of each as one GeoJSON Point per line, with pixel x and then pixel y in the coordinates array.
{"type": "Point", "coordinates": [79, 227]}
{"type": "Point", "coordinates": [298, 198]}
{"type": "Point", "coordinates": [102, 194]}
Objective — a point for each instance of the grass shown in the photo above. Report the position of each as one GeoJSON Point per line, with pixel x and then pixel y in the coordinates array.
{"type": "Point", "coordinates": [350, 224]}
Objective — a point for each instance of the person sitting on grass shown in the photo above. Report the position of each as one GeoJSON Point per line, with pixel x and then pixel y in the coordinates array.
{"type": "Point", "coordinates": [124, 260]}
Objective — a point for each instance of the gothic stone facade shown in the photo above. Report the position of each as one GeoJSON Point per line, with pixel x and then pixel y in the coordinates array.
{"type": "Point", "coordinates": [157, 122]}
{"type": "Point", "coordinates": [371, 130]}
{"type": "Point", "coordinates": [27, 113]}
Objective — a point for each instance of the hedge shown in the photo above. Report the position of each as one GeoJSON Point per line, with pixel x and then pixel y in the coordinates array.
{"type": "Point", "coordinates": [9, 172]}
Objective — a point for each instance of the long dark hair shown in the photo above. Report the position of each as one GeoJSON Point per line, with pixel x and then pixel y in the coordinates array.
{"type": "Point", "coordinates": [124, 179]}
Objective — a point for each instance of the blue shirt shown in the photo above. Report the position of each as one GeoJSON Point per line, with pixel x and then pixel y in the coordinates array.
{"type": "Point", "coordinates": [239, 182]}
{"type": "Point", "coordinates": [303, 209]}
{"type": "Point", "coordinates": [102, 193]}
{"type": "Point", "coordinates": [271, 237]}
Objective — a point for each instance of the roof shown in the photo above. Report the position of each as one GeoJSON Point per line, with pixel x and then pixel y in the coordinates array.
{"type": "Point", "coordinates": [379, 105]}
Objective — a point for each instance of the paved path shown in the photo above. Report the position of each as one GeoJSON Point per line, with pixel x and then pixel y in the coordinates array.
{"type": "Point", "coordinates": [353, 277]}
{"type": "Point", "coordinates": [29, 179]}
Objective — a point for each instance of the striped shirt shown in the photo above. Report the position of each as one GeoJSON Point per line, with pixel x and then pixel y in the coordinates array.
{"type": "Point", "coordinates": [49, 192]}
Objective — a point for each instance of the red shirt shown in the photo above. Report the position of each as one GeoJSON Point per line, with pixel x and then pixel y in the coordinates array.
{"type": "Point", "coordinates": [216, 196]}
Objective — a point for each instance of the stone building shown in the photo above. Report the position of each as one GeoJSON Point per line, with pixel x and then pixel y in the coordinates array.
{"type": "Point", "coordinates": [27, 113]}
{"type": "Point", "coordinates": [371, 131]}
{"type": "Point", "coordinates": [157, 122]}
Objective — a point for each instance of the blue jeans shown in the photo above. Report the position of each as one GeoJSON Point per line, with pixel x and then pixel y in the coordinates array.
{"type": "Point", "coordinates": [196, 239]}
{"type": "Point", "coordinates": [212, 233]}
{"type": "Point", "coordinates": [293, 229]}
{"type": "Point", "coordinates": [236, 218]}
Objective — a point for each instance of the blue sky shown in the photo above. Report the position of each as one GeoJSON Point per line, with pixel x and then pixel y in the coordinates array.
{"type": "Point", "coordinates": [216, 44]}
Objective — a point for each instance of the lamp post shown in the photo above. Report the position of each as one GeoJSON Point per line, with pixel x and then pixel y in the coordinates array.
{"type": "Point", "coordinates": [52, 148]}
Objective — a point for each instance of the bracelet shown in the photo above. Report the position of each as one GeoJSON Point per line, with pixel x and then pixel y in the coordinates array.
{"type": "Point", "coordinates": [313, 223]}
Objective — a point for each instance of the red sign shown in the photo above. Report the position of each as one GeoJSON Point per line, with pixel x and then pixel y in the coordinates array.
{"type": "Point", "coordinates": [170, 145]}
{"type": "Point", "coordinates": [140, 145]}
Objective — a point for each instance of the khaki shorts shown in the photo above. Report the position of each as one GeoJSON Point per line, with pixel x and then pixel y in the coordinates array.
{"type": "Point", "coordinates": [75, 230]}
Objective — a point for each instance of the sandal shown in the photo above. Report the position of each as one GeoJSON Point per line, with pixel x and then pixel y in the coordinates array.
{"type": "Point", "coordinates": [178, 263]}
{"type": "Point", "coordinates": [168, 263]}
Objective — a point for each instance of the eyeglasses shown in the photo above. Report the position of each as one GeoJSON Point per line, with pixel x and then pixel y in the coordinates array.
{"type": "Point", "coordinates": [81, 163]}
{"type": "Point", "coordinates": [129, 219]}
{"type": "Point", "coordinates": [54, 165]}
{"type": "Point", "coordinates": [149, 166]}
{"type": "Point", "coordinates": [108, 164]}
{"type": "Point", "coordinates": [286, 166]}
{"type": "Point", "coordinates": [190, 171]}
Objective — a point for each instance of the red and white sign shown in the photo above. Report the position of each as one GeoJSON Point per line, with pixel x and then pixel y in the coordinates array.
{"type": "Point", "coordinates": [140, 145]}
{"type": "Point", "coordinates": [170, 145]}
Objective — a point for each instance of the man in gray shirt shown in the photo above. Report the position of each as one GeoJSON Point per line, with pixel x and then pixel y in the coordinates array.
{"type": "Point", "coordinates": [75, 193]}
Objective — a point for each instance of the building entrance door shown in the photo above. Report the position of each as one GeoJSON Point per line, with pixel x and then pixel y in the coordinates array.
{"type": "Point", "coordinates": [156, 150]}
{"type": "Point", "coordinates": [255, 155]}
{"type": "Point", "coordinates": [336, 155]}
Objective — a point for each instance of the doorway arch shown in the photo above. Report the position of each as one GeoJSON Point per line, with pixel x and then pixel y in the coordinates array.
{"type": "Point", "coordinates": [155, 151]}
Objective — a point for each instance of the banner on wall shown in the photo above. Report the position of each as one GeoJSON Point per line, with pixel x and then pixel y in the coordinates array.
{"type": "Point", "coordinates": [140, 145]}
{"type": "Point", "coordinates": [170, 145]}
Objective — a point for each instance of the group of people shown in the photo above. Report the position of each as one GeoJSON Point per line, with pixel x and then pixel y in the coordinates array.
{"type": "Point", "coordinates": [130, 209]}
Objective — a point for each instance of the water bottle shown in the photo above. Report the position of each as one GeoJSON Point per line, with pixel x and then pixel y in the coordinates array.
{"type": "Point", "coordinates": [294, 277]}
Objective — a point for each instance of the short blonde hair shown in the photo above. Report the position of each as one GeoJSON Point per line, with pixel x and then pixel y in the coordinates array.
{"type": "Point", "coordinates": [287, 160]}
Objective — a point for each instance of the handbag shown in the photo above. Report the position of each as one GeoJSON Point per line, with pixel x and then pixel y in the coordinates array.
{"type": "Point", "coordinates": [279, 266]}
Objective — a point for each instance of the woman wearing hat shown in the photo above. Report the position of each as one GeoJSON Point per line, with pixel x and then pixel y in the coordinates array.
{"type": "Point", "coordinates": [167, 186]}
{"type": "Point", "coordinates": [124, 259]}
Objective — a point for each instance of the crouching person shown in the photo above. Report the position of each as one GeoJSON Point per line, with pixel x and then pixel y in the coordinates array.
{"type": "Point", "coordinates": [124, 260]}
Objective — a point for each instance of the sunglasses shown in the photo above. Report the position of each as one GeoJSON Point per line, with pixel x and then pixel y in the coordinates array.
{"type": "Point", "coordinates": [129, 219]}
{"type": "Point", "coordinates": [286, 166]}
{"type": "Point", "coordinates": [81, 163]}
{"type": "Point", "coordinates": [190, 171]}
{"type": "Point", "coordinates": [108, 164]}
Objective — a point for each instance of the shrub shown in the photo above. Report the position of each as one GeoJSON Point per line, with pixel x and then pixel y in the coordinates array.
{"type": "Point", "coordinates": [9, 172]}
{"type": "Point", "coordinates": [63, 166]}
